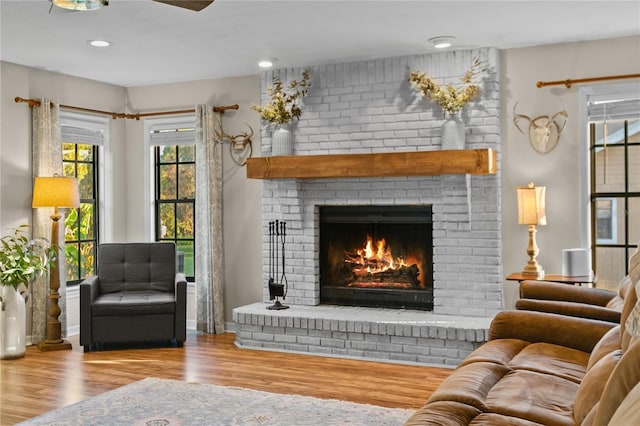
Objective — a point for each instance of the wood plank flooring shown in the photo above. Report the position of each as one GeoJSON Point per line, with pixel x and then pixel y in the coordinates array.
{"type": "Point", "coordinates": [42, 381]}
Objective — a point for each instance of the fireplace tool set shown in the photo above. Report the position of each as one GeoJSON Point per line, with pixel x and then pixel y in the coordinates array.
{"type": "Point", "coordinates": [278, 283]}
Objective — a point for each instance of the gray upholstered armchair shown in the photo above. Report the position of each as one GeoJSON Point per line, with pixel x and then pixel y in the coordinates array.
{"type": "Point", "coordinates": [137, 296]}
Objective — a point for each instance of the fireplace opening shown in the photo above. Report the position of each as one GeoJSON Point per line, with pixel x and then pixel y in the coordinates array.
{"type": "Point", "coordinates": [377, 256]}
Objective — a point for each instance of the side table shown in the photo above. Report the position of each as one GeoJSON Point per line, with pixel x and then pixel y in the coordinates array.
{"type": "Point", "coordinates": [563, 279]}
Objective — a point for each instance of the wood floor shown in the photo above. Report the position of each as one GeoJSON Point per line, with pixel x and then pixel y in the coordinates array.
{"type": "Point", "coordinates": [42, 381]}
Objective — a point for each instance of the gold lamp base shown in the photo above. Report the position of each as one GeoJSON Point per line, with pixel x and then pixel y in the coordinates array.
{"type": "Point", "coordinates": [62, 345]}
{"type": "Point", "coordinates": [533, 268]}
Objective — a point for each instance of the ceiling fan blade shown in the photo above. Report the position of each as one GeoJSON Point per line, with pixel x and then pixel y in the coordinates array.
{"type": "Point", "coordinates": [195, 5]}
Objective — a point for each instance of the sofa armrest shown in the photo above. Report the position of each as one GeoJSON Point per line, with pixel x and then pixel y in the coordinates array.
{"type": "Point", "coordinates": [581, 310]}
{"type": "Point", "coordinates": [181, 307]}
{"type": "Point", "coordinates": [89, 290]}
{"type": "Point", "coordinates": [534, 327]}
{"type": "Point", "coordinates": [546, 290]}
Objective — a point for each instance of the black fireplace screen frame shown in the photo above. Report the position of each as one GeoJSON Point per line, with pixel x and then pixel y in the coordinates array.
{"type": "Point", "coordinates": [375, 219]}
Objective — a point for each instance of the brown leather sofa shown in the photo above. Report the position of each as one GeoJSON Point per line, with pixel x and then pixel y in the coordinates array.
{"type": "Point", "coordinates": [583, 302]}
{"type": "Point", "coordinates": [544, 369]}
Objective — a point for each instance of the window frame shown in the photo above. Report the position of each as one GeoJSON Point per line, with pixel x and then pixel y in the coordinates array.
{"type": "Point", "coordinates": [101, 170]}
{"type": "Point", "coordinates": [588, 195]}
{"type": "Point", "coordinates": [152, 196]}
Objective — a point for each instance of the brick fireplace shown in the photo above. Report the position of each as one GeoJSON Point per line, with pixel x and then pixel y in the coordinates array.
{"type": "Point", "coordinates": [369, 107]}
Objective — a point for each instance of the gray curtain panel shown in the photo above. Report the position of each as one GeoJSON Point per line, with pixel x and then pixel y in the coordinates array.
{"type": "Point", "coordinates": [47, 161]}
{"type": "Point", "coordinates": [209, 268]}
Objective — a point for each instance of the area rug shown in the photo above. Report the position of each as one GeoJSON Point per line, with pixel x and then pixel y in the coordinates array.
{"type": "Point", "coordinates": [161, 402]}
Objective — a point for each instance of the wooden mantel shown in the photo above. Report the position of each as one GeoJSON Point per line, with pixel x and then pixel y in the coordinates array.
{"type": "Point", "coordinates": [423, 163]}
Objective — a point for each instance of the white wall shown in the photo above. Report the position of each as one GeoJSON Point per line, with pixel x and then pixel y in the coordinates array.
{"type": "Point", "coordinates": [560, 170]}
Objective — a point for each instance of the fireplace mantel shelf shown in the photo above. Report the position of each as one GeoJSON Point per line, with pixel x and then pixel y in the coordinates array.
{"type": "Point", "coordinates": [394, 164]}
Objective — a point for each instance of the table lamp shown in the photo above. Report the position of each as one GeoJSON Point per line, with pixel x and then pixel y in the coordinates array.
{"type": "Point", "coordinates": [56, 192]}
{"type": "Point", "coordinates": [531, 212]}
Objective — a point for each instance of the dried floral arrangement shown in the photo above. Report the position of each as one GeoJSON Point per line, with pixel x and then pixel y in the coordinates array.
{"type": "Point", "coordinates": [283, 106]}
{"type": "Point", "coordinates": [450, 98]}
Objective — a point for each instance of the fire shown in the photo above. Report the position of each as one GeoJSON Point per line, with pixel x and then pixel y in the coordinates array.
{"type": "Point", "coordinates": [373, 259]}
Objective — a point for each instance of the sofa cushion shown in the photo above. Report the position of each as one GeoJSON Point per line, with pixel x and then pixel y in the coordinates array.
{"type": "Point", "coordinates": [630, 302]}
{"type": "Point", "coordinates": [625, 376]}
{"type": "Point", "coordinates": [136, 266]}
{"type": "Point", "coordinates": [470, 384]}
{"type": "Point", "coordinates": [492, 419]}
{"type": "Point", "coordinates": [133, 303]}
{"type": "Point", "coordinates": [590, 390]}
{"type": "Point", "coordinates": [570, 364]}
{"type": "Point", "coordinates": [443, 413]}
{"type": "Point", "coordinates": [609, 343]}
{"type": "Point", "coordinates": [628, 413]}
{"type": "Point", "coordinates": [537, 397]}
{"type": "Point", "coordinates": [500, 351]}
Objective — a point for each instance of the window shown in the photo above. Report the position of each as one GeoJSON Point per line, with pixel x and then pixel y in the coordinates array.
{"type": "Point", "coordinates": [614, 193]}
{"type": "Point", "coordinates": [82, 139]}
{"type": "Point", "coordinates": [174, 188]}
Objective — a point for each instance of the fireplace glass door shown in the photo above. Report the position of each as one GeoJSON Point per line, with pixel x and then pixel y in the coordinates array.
{"type": "Point", "coordinates": [377, 256]}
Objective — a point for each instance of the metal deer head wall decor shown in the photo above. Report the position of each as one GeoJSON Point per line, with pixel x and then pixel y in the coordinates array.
{"type": "Point", "coordinates": [544, 131]}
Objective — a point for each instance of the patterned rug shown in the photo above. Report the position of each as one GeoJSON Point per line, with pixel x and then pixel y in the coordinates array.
{"type": "Point", "coordinates": [160, 402]}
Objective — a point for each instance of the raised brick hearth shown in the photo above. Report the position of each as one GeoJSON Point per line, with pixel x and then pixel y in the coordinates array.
{"type": "Point", "coordinates": [369, 107]}
{"type": "Point", "coordinates": [369, 333]}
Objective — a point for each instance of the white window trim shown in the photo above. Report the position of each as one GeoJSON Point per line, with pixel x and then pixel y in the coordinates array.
{"type": "Point", "coordinates": [151, 124]}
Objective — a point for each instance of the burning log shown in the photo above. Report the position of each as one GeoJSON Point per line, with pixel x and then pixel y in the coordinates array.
{"type": "Point", "coordinates": [403, 276]}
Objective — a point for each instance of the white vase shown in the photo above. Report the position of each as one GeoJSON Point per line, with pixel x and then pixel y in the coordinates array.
{"type": "Point", "coordinates": [453, 133]}
{"type": "Point", "coordinates": [12, 323]}
{"type": "Point", "coordinates": [282, 141]}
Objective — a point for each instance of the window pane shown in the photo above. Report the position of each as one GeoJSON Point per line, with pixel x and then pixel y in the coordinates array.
{"type": "Point", "coordinates": [187, 153]}
{"type": "Point", "coordinates": [167, 154]}
{"type": "Point", "coordinates": [634, 220]}
{"type": "Point", "coordinates": [72, 259]}
{"type": "Point", "coordinates": [85, 152]}
{"type": "Point", "coordinates": [68, 151]}
{"type": "Point", "coordinates": [185, 220]}
{"type": "Point", "coordinates": [87, 226]}
{"type": "Point", "coordinates": [87, 259]}
{"type": "Point", "coordinates": [610, 266]}
{"type": "Point", "coordinates": [167, 221]}
{"type": "Point", "coordinates": [604, 219]}
{"type": "Point", "coordinates": [609, 169]}
{"type": "Point", "coordinates": [69, 169]}
{"type": "Point", "coordinates": [187, 181]}
{"type": "Point", "coordinates": [85, 180]}
{"type": "Point", "coordinates": [168, 182]}
{"type": "Point", "coordinates": [634, 167]}
{"type": "Point", "coordinates": [185, 252]}
{"type": "Point", "coordinates": [71, 225]}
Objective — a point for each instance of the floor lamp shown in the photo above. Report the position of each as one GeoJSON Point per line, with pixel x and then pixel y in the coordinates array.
{"type": "Point", "coordinates": [531, 212]}
{"type": "Point", "coordinates": [56, 192]}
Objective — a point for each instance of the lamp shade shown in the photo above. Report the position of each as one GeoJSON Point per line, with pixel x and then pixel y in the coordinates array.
{"type": "Point", "coordinates": [531, 205]}
{"type": "Point", "coordinates": [56, 191]}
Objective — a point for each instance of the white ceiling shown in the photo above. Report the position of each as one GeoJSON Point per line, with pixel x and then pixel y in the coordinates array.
{"type": "Point", "coordinates": [156, 43]}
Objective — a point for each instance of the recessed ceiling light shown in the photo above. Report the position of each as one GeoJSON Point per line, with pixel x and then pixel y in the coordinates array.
{"type": "Point", "coordinates": [266, 63]}
{"type": "Point", "coordinates": [99, 43]}
{"type": "Point", "coordinates": [442, 42]}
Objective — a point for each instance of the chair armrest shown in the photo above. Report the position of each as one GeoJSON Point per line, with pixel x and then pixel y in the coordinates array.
{"type": "Point", "coordinates": [581, 310]}
{"type": "Point", "coordinates": [89, 290]}
{"type": "Point", "coordinates": [546, 290]}
{"type": "Point", "coordinates": [181, 307]}
{"type": "Point", "coordinates": [577, 333]}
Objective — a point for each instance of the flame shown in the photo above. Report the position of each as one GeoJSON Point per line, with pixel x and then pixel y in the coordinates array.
{"type": "Point", "coordinates": [377, 259]}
